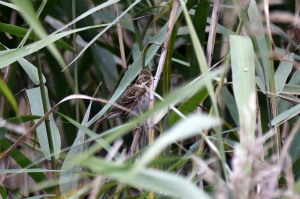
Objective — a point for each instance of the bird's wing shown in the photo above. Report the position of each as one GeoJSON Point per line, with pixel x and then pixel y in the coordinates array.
{"type": "Point", "coordinates": [129, 97]}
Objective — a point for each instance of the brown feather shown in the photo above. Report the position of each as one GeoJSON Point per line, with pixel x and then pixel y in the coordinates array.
{"type": "Point", "coordinates": [132, 97]}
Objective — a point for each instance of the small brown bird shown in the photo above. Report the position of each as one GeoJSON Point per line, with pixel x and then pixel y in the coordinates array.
{"type": "Point", "coordinates": [135, 99]}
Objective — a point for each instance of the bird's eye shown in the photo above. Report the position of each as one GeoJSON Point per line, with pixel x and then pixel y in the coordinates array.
{"type": "Point", "coordinates": [145, 77]}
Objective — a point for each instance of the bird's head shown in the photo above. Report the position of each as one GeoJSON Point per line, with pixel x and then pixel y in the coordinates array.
{"type": "Point", "coordinates": [145, 78]}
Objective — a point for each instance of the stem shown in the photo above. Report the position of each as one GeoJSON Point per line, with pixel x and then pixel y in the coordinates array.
{"type": "Point", "coordinates": [76, 91]}
{"type": "Point", "coordinates": [47, 121]}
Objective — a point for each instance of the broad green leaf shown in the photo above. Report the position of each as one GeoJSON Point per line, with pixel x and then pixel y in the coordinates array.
{"type": "Point", "coordinates": [282, 73]}
{"type": "Point", "coordinates": [257, 27]}
{"type": "Point", "coordinates": [286, 115]}
{"type": "Point", "coordinates": [31, 71]}
{"type": "Point", "coordinates": [148, 179]}
{"type": "Point", "coordinates": [243, 78]}
{"type": "Point", "coordinates": [36, 107]}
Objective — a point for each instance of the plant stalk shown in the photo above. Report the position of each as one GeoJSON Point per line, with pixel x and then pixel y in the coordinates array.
{"type": "Point", "coordinates": [47, 121]}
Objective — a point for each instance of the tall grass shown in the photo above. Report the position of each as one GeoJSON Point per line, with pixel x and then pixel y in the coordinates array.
{"type": "Point", "coordinates": [223, 123]}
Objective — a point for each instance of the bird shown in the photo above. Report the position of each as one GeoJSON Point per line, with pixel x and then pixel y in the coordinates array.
{"type": "Point", "coordinates": [135, 99]}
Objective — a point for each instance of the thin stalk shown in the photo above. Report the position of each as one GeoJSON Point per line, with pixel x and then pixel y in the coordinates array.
{"type": "Point", "coordinates": [47, 121]}
{"type": "Point", "coordinates": [120, 39]}
{"type": "Point", "coordinates": [272, 80]}
{"type": "Point", "coordinates": [76, 91]}
{"type": "Point", "coordinates": [212, 33]}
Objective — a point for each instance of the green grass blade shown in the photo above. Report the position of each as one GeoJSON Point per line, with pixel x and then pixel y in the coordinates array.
{"type": "Point", "coordinates": [243, 76]}
{"type": "Point", "coordinates": [26, 9]}
{"type": "Point", "coordinates": [282, 73]}
{"type": "Point", "coordinates": [36, 108]}
{"type": "Point", "coordinates": [8, 95]}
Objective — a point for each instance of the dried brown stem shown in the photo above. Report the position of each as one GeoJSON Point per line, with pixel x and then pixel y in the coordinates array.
{"type": "Point", "coordinates": [136, 138]}
{"type": "Point", "coordinates": [212, 33]}
{"type": "Point", "coordinates": [162, 62]}
{"type": "Point", "coordinates": [120, 39]}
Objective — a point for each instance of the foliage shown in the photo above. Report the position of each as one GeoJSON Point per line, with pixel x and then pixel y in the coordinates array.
{"type": "Point", "coordinates": [224, 123]}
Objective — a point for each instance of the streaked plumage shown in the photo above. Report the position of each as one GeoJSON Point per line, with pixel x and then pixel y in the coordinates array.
{"type": "Point", "coordinates": [136, 98]}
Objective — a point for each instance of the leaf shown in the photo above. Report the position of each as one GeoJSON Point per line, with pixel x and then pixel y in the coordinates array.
{"type": "Point", "coordinates": [282, 73]}
{"type": "Point", "coordinates": [230, 103]}
{"type": "Point", "coordinates": [286, 115]}
{"type": "Point", "coordinates": [243, 78]}
{"type": "Point", "coordinates": [109, 15]}
{"type": "Point", "coordinates": [26, 9]}
{"type": "Point", "coordinates": [189, 106]}
{"type": "Point", "coordinates": [12, 55]}
{"type": "Point", "coordinates": [31, 71]}
{"type": "Point", "coordinates": [8, 95]}
{"type": "Point", "coordinates": [10, 5]}
{"type": "Point", "coordinates": [21, 32]}
{"type": "Point", "coordinates": [103, 31]}
{"type": "Point", "coordinates": [283, 35]}
{"type": "Point", "coordinates": [283, 104]}
{"type": "Point", "coordinates": [17, 120]}
{"type": "Point", "coordinates": [36, 107]}
{"type": "Point", "coordinates": [103, 59]}
{"type": "Point", "coordinates": [149, 179]}
{"type": "Point", "coordinates": [291, 89]}
{"type": "Point", "coordinates": [24, 162]}
{"type": "Point", "coordinates": [191, 126]}
{"type": "Point", "coordinates": [70, 170]}
{"type": "Point", "coordinates": [132, 72]}
{"type": "Point", "coordinates": [257, 27]}
{"type": "Point", "coordinates": [41, 196]}
{"type": "Point", "coordinates": [204, 69]}
{"type": "Point", "coordinates": [3, 192]}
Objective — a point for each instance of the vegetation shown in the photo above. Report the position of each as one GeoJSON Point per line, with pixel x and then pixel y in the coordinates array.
{"type": "Point", "coordinates": [224, 122]}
